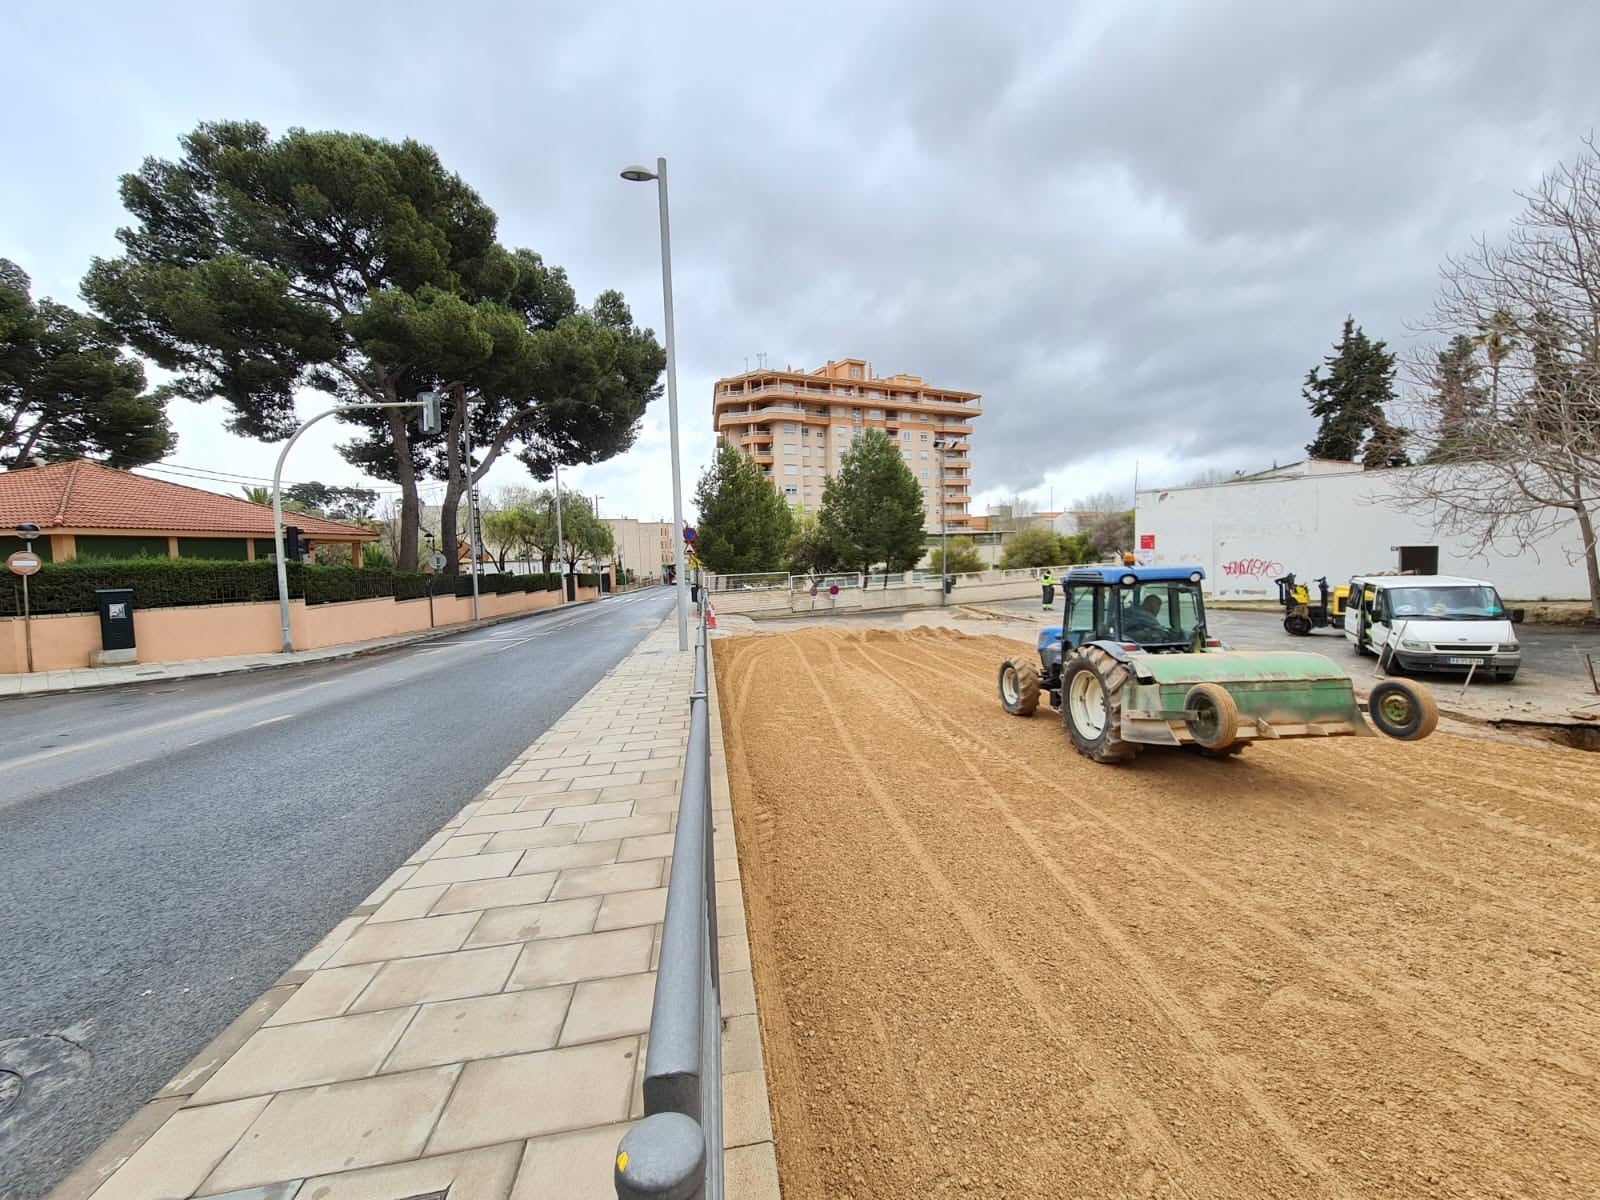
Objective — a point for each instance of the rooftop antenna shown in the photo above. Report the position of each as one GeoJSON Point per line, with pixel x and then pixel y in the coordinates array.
{"type": "Point", "coordinates": [761, 359]}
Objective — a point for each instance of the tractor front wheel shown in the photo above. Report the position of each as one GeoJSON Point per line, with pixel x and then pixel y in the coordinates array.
{"type": "Point", "coordinates": [1215, 724]}
{"type": "Point", "coordinates": [1299, 626]}
{"type": "Point", "coordinates": [1403, 710]}
{"type": "Point", "coordinates": [1092, 686]}
{"type": "Point", "coordinates": [1019, 687]}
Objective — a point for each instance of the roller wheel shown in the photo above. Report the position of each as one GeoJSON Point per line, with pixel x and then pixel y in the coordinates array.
{"type": "Point", "coordinates": [1019, 687]}
{"type": "Point", "coordinates": [1403, 710]}
{"type": "Point", "coordinates": [1092, 687]}
{"type": "Point", "coordinates": [1215, 725]}
{"type": "Point", "coordinates": [1299, 626]}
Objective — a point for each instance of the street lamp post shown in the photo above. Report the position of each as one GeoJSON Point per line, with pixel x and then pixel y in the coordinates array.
{"type": "Point", "coordinates": [944, 541]}
{"type": "Point", "coordinates": [642, 175]}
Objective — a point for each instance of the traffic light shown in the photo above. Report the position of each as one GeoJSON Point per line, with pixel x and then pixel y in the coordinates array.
{"type": "Point", "coordinates": [291, 543]}
{"type": "Point", "coordinates": [430, 422]}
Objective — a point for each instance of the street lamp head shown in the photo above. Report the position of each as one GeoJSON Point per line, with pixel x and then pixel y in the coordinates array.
{"type": "Point", "coordinates": [638, 174]}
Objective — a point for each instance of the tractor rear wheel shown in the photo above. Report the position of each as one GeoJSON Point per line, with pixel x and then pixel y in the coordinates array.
{"type": "Point", "coordinates": [1215, 724]}
{"type": "Point", "coordinates": [1019, 687]}
{"type": "Point", "coordinates": [1403, 710]}
{"type": "Point", "coordinates": [1092, 688]}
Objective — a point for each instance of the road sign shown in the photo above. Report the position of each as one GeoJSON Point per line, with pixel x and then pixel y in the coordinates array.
{"type": "Point", "coordinates": [436, 561]}
{"type": "Point", "coordinates": [27, 531]}
{"type": "Point", "coordinates": [833, 589]}
{"type": "Point", "coordinates": [1147, 541]}
{"type": "Point", "coordinates": [24, 562]}
{"type": "Point", "coordinates": [690, 533]}
{"type": "Point", "coordinates": [813, 589]}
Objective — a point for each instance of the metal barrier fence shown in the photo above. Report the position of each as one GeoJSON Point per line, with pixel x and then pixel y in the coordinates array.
{"type": "Point", "coordinates": [675, 1152]}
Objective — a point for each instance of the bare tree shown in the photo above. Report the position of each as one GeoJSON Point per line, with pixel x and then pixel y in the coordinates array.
{"type": "Point", "coordinates": [1012, 514]}
{"type": "Point", "coordinates": [1525, 466]}
{"type": "Point", "coordinates": [1212, 476]}
{"type": "Point", "coordinates": [1092, 507]}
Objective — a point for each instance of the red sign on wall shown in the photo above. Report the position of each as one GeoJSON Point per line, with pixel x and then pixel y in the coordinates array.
{"type": "Point", "coordinates": [1147, 541]}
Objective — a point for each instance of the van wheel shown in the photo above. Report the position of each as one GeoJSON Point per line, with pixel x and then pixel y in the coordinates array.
{"type": "Point", "coordinates": [1403, 710]}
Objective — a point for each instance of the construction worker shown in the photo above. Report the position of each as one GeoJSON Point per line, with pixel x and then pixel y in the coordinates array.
{"type": "Point", "coordinates": [1048, 582]}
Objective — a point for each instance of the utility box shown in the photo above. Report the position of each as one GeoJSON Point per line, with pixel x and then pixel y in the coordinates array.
{"type": "Point", "coordinates": [116, 628]}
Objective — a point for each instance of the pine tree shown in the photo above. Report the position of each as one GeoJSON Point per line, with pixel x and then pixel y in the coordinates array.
{"type": "Point", "coordinates": [1458, 400]}
{"type": "Point", "coordinates": [744, 522]}
{"type": "Point", "coordinates": [1349, 399]}
{"type": "Point", "coordinates": [872, 508]}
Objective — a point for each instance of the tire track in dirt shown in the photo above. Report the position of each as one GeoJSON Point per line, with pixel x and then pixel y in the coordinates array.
{"type": "Point", "coordinates": [1394, 1119]}
{"type": "Point", "coordinates": [1144, 1123]}
{"type": "Point", "coordinates": [1136, 964]}
{"type": "Point", "coordinates": [1585, 928]}
{"type": "Point", "coordinates": [1439, 1026]}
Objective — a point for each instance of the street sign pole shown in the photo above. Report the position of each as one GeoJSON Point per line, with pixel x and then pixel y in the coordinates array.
{"type": "Point", "coordinates": [27, 624]}
{"type": "Point", "coordinates": [25, 563]}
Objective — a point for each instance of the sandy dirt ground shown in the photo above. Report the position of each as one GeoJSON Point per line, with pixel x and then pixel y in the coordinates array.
{"type": "Point", "coordinates": [988, 967]}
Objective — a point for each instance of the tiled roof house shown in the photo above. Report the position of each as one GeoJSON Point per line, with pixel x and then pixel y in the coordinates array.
{"type": "Point", "coordinates": [84, 509]}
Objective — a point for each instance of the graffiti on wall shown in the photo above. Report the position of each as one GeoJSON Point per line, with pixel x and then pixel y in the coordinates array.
{"type": "Point", "coordinates": [1252, 568]}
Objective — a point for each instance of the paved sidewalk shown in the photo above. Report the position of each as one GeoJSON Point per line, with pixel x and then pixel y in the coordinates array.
{"type": "Point", "coordinates": [479, 1022]}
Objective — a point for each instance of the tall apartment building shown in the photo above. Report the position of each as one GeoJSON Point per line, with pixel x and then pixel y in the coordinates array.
{"type": "Point", "coordinates": [798, 424]}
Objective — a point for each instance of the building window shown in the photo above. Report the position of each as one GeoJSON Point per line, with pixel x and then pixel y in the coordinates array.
{"type": "Point", "coordinates": [790, 469]}
{"type": "Point", "coordinates": [924, 436]}
{"type": "Point", "coordinates": [924, 474]}
{"type": "Point", "coordinates": [806, 471]}
{"type": "Point", "coordinates": [805, 451]}
{"type": "Point", "coordinates": [874, 414]}
{"type": "Point", "coordinates": [791, 490]}
{"type": "Point", "coordinates": [855, 373]}
{"type": "Point", "coordinates": [805, 431]}
{"type": "Point", "coordinates": [788, 427]}
{"type": "Point", "coordinates": [841, 431]}
{"type": "Point", "coordinates": [790, 448]}
{"type": "Point", "coordinates": [924, 456]}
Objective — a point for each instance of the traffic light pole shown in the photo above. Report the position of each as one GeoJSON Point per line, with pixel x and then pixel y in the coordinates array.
{"type": "Point", "coordinates": [277, 504]}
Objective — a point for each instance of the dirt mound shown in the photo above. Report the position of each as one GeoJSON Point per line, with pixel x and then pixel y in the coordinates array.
{"type": "Point", "coordinates": [988, 967]}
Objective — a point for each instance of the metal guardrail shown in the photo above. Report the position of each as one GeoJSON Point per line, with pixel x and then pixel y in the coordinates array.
{"type": "Point", "coordinates": [675, 1152]}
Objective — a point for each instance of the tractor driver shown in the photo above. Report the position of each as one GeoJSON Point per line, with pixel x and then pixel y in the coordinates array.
{"type": "Point", "coordinates": [1143, 620]}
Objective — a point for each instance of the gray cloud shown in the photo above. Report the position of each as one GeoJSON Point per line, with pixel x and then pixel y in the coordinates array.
{"type": "Point", "coordinates": [1132, 227]}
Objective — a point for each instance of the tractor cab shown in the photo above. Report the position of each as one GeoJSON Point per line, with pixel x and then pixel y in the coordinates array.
{"type": "Point", "coordinates": [1153, 610]}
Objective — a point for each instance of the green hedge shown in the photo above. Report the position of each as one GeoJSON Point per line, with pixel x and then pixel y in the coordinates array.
{"type": "Point", "coordinates": [69, 587]}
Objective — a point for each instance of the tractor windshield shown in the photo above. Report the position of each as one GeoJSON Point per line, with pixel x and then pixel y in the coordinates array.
{"type": "Point", "coordinates": [1166, 614]}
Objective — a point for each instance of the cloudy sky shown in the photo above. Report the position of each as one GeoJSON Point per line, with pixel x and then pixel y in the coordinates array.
{"type": "Point", "coordinates": [1131, 224]}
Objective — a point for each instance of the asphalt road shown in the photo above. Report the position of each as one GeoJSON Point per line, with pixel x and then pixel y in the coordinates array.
{"type": "Point", "coordinates": [168, 850]}
{"type": "Point", "coordinates": [1546, 649]}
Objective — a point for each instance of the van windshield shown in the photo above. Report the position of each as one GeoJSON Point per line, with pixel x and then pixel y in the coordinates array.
{"type": "Point", "coordinates": [1462, 603]}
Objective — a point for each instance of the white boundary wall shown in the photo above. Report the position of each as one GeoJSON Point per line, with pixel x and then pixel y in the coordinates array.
{"type": "Point", "coordinates": [1334, 521]}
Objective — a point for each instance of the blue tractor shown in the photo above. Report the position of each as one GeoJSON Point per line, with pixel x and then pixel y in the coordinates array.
{"type": "Point", "coordinates": [1132, 665]}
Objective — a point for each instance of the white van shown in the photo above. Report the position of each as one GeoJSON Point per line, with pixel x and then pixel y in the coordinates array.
{"type": "Point", "coordinates": [1433, 623]}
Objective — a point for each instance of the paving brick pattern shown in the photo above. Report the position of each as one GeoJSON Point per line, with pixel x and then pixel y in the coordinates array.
{"type": "Point", "coordinates": [480, 1022]}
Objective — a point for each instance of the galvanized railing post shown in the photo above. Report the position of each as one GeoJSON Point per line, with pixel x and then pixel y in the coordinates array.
{"type": "Point", "coordinates": [675, 1153]}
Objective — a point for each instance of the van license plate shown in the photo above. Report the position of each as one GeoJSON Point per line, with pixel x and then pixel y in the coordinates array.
{"type": "Point", "coordinates": [1465, 662]}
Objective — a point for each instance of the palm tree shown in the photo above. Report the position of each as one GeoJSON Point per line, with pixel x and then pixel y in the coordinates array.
{"type": "Point", "coordinates": [257, 495]}
{"type": "Point", "coordinates": [1495, 336]}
